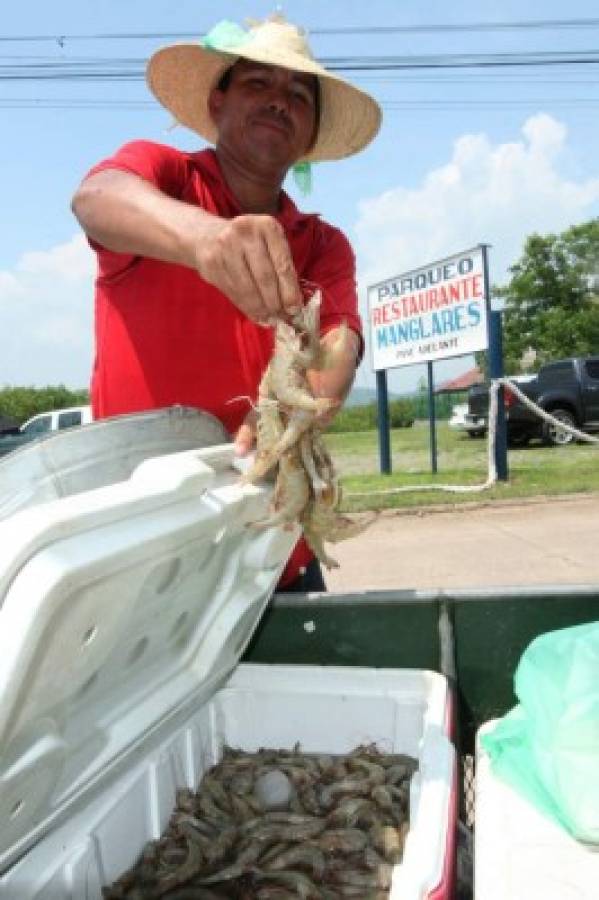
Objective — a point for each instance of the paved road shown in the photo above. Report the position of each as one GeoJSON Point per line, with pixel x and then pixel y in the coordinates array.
{"type": "Point", "coordinates": [531, 543]}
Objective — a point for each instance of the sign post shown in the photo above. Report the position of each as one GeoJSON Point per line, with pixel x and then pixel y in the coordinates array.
{"type": "Point", "coordinates": [496, 371]}
{"type": "Point", "coordinates": [435, 312]}
{"type": "Point", "coordinates": [383, 422]}
{"type": "Point", "coordinates": [431, 417]}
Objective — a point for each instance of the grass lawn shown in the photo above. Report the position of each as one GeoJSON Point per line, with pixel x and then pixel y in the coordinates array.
{"type": "Point", "coordinates": [533, 471]}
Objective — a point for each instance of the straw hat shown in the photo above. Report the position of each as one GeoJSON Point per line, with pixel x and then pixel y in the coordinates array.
{"type": "Point", "coordinates": [181, 77]}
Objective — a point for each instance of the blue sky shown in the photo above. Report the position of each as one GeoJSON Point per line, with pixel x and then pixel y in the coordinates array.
{"type": "Point", "coordinates": [464, 156]}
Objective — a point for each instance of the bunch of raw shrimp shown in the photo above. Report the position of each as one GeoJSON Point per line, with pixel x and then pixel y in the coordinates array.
{"type": "Point", "coordinates": [289, 437]}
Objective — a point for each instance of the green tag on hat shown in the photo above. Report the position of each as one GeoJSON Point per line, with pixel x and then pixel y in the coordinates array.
{"type": "Point", "coordinates": [302, 175]}
{"type": "Point", "coordinates": [225, 36]}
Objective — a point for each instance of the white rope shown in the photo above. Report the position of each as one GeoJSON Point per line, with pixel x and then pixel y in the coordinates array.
{"type": "Point", "coordinates": [580, 435]}
{"type": "Point", "coordinates": [496, 383]}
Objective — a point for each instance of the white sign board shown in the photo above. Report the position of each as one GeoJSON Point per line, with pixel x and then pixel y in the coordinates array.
{"type": "Point", "coordinates": [430, 313]}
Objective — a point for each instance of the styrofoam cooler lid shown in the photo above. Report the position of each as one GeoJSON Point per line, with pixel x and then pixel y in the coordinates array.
{"type": "Point", "coordinates": [122, 607]}
{"type": "Point", "coordinates": [78, 459]}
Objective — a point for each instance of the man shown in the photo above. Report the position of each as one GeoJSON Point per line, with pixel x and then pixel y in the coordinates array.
{"type": "Point", "coordinates": [198, 253]}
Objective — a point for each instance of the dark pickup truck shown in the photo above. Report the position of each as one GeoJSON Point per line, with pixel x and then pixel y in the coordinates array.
{"type": "Point", "coordinates": [567, 388]}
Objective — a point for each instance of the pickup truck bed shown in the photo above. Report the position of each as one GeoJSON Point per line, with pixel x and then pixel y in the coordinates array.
{"type": "Point", "coordinates": [163, 577]}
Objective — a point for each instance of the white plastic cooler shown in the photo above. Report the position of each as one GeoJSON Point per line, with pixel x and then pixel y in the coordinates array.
{"type": "Point", "coordinates": [124, 611]}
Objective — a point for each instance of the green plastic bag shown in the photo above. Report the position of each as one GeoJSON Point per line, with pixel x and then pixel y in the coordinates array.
{"type": "Point", "coordinates": [547, 747]}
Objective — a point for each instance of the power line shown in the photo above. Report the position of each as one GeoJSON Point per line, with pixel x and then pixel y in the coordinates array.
{"type": "Point", "coordinates": [464, 60]}
{"type": "Point", "coordinates": [520, 77]}
{"type": "Point", "coordinates": [133, 68]}
{"type": "Point", "coordinates": [440, 27]}
{"type": "Point", "coordinates": [145, 105]}
{"type": "Point", "coordinates": [403, 78]}
{"type": "Point", "coordinates": [486, 102]}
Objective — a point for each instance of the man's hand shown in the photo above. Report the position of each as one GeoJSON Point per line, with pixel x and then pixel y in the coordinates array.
{"type": "Point", "coordinates": [245, 437]}
{"type": "Point", "coordinates": [249, 260]}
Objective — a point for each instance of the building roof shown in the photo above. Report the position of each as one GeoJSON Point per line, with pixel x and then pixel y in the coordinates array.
{"type": "Point", "coordinates": [462, 382]}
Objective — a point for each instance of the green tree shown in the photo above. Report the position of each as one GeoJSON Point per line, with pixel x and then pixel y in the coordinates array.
{"type": "Point", "coordinates": [21, 403]}
{"type": "Point", "coordinates": [552, 304]}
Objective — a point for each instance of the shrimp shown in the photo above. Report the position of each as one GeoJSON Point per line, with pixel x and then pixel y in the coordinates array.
{"type": "Point", "coordinates": [297, 882]}
{"type": "Point", "coordinates": [307, 487]}
{"type": "Point", "coordinates": [317, 482]}
{"type": "Point", "coordinates": [285, 378]}
{"type": "Point", "coordinates": [322, 523]}
{"type": "Point", "coordinates": [270, 430]}
{"type": "Point", "coordinates": [300, 855]}
{"type": "Point", "coordinates": [190, 868]}
{"type": "Point", "coordinates": [315, 542]}
{"type": "Point", "coordinates": [389, 841]}
{"type": "Point", "coordinates": [292, 492]}
{"type": "Point", "coordinates": [269, 454]}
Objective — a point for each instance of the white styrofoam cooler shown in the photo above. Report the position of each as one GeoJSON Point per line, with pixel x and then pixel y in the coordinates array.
{"type": "Point", "coordinates": [521, 854]}
{"type": "Point", "coordinates": [332, 709]}
{"type": "Point", "coordinates": [124, 610]}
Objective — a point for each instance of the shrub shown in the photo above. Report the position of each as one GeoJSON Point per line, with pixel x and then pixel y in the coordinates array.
{"type": "Point", "coordinates": [21, 403]}
{"type": "Point", "coordinates": [401, 413]}
{"type": "Point", "coordinates": [355, 418]}
{"type": "Point", "coordinates": [364, 418]}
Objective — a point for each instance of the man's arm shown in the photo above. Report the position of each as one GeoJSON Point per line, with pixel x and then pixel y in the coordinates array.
{"type": "Point", "coordinates": [247, 257]}
{"type": "Point", "coordinates": [335, 382]}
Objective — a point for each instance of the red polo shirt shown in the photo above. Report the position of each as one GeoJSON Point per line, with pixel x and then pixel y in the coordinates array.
{"type": "Point", "coordinates": [165, 336]}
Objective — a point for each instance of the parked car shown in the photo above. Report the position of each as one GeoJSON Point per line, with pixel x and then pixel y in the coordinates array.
{"type": "Point", "coordinates": [8, 425]}
{"type": "Point", "coordinates": [44, 423]}
{"type": "Point", "coordinates": [566, 388]}
{"type": "Point", "coordinates": [461, 420]}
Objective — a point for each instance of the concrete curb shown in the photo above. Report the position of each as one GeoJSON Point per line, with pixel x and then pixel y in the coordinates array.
{"type": "Point", "coordinates": [469, 505]}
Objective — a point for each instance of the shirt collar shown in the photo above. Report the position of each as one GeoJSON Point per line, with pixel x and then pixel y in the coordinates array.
{"type": "Point", "coordinates": [289, 215]}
